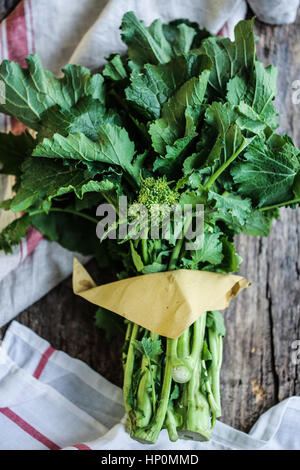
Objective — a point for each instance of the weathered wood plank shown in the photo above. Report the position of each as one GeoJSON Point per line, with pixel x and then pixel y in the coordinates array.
{"type": "Point", "coordinates": [258, 369]}
{"type": "Point", "coordinates": [281, 46]}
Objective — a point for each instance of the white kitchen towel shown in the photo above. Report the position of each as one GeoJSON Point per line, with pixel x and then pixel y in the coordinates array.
{"type": "Point", "coordinates": [85, 31]}
{"type": "Point", "coordinates": [49, 400]}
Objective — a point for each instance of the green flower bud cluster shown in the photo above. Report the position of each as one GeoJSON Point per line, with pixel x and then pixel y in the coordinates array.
{"type": "Point", "coordinates": [156, 191]}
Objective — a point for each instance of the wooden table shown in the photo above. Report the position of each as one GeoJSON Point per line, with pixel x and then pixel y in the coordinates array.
{"type": "Point", "coordinates": [262, 323]}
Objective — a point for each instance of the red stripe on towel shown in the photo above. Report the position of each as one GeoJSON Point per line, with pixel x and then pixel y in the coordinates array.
{"type": "Point", "coordinates": [43, 361]}
{"type": "Point", "coordinates": [16, 33]}
{"type": "Point", "coordinates": [29, 429]}
{"type": "Point", "coordinates": [82, 447]}
{"type": "Point", "coordinates": [33, 237]}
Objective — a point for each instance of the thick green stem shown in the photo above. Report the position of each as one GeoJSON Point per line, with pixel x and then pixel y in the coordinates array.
{"type": "Point", "coordinates": [145, 250]}
{"type": "Point", "coordinates": [222, 168]}
{"type": "Point", "coordinates": [197, 410]}
{"type": "Point", "coordinates": [152, 370]}
{"type": "Point", "coordinates": [193, 385]}
{"type": "Point", "coordinates": [128, 371]}
{"type": "Point", "coordinates": [183, 346]}
{"type": "Point", "coordinates": [275, 206]}
{"type": "Point", "coordinates": [144, 405]}
{"type": "Point", "coordinates": [151, 434]}
{"type": "Point", "coordinates": [216, 349]}
{"type": "Point", "coordinates": [171, 424]}
{"type": "Point", "coordinates": [126, 343]}
{"type": "Point", "coordinates": [175, 254]}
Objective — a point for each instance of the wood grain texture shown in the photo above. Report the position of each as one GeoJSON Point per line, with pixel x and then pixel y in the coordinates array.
{"type": "Point", "coordinates": [6, 6]}
{"type": "Point", "coordinates": [261, 324]}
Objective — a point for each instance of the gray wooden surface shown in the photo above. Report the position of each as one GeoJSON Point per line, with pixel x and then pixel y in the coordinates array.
{"type": "Point", "coordinates": [262, 323]}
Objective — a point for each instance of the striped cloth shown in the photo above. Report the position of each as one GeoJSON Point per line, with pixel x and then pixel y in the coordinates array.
{"type": "Point", "coordinates": [50, 401]}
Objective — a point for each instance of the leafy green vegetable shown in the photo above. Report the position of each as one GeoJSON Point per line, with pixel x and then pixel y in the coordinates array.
{"type": "Point", "coordinates": [184, 118]}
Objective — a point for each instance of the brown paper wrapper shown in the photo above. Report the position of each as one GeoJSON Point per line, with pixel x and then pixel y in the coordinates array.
{"type": "Point", "coordinates": [166, 303]}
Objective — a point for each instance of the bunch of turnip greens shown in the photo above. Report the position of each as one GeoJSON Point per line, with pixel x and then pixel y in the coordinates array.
{"type": "Point", "coordinates": [185, 117]}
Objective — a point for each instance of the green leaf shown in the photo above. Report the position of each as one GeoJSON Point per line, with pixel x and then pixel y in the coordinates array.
{"type": "Point", "coordinates": [110, 322]}
{"type": "Point", "coordinates": [211, 252]}
{"type": "Point", "coordinates": [254, 99]}
{"type": "Point", "coordinates": [236, 90]}
{"type": "Point", "coordinates": [222, 118]}
{"type": "Point", "coordinates": [154, 268]}
{"type": "Point", "coordinates": [149, 347]}
{"type": "Point", "coordinates": [31, 91]}
{"type": "Point", "coordinates": [6, 204]}
{"type": "Point", "coordinates": [172, 161]}
{"type": "Point", "coordinates": [257, 224]}
{"type": "Point", "coordinates": [13, 150]}
{"type": "Point", "coordinates": [71, 231]}
{"type": "Point", "coordinates": [137, 260]}
{"type": "Point", "coordinates": [175, 393]}
{"type": "Point", "coordinates": [155, 84]}
{"type": "Point", "coordinates": [215, 321]}
{"type": "Point", "coordinates": [86, 117]}
{"type": "Point", "coordinates": [264, 92]}
{"type": "Point", "coordinates": [268, 171]}
{"type": "Point", "coordinates": [113, 147]}
{"type": "Point", "coordinates": [231, 260]}
{"type": "Point", "coordinates": [159, 43]}
{"type": "Point", "coordinates": [54, 179]}
{"type": "Point", "coordinates": [230, 208]}
{"type": "Point", "coordinates": [228, 143]}
{"type": "Point", "coordinates": [115, 69]}
{"type": "Point", "coordinates": [296, 185]}
{"type": "Point", "coordinates": [230, 58]}
{"type": "Point", "coordinates": [145, 44]}
{"type": "Point", "coordinates": [180, 34]}
{"type": "Point", "coordinates": [180, 114]}
{"type": "Point", "coordinates": [206, 354]}
{"type": "Point", "coordinates": [13, 233]}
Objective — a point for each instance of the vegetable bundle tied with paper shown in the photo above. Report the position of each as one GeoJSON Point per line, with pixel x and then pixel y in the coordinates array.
{"type": "Point", "coordinates": [183, 118]}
